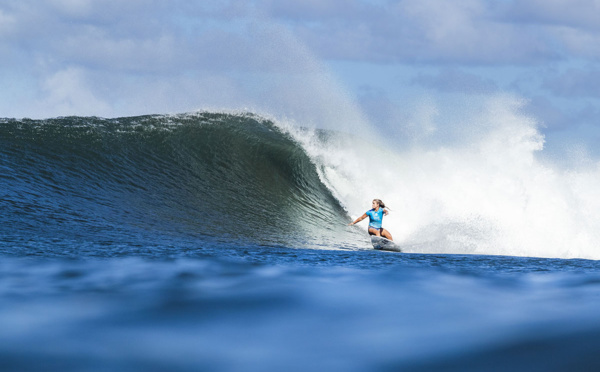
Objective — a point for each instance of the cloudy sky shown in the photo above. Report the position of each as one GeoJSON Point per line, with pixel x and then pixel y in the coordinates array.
{"type": "Point", "coordinates": [313, 60]}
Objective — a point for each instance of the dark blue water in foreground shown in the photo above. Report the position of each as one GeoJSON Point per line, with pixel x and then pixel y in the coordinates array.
{"type": "Point", "coordinates": [141, 245]}
{"type": "Point", "coordinates": [260, 309]}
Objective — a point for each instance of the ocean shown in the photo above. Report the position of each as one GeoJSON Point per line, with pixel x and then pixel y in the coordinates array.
{"type": "Point", "coordinates": [215, 241]}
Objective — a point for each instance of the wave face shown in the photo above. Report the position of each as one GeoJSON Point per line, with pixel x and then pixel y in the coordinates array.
{"type": "Point", "coordinates": [201, 177]}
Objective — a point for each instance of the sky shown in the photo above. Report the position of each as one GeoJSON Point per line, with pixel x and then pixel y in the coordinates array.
{"type": "Point", "coordinates": [316, 61]}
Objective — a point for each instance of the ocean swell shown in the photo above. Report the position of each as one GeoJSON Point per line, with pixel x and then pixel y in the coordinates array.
{"type": "Point", "coordinates": [204, 176]}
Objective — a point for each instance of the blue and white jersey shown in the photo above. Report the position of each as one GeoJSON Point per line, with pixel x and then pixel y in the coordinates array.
{"type": "Point", "coordinates": [375, 217]}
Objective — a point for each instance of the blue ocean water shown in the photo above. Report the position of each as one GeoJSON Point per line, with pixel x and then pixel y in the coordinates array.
{"type": "Point", "coordinates": [212, 242]}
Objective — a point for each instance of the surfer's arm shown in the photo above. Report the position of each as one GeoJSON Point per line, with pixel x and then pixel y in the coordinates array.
{"type": "Point", "coordinates": [358, 219]}
{"type": "Point", "coordinates": [385, 211]}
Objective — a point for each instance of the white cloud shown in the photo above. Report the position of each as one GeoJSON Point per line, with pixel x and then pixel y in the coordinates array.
{"type": "Point", "coordinates": [454, 80]}
{"type": "Point", "coordinates": [115, 58]}
{"type": "Point", "coordinates": [415, 31]}
{"type": "Point", "coordinates": [575, 83]}
{"type": "Point", "coordinates": [68, 91]}
{"type": "Point", "coordinates": [73, 8]}
{"type": "Point", "coordinates": [7, 23]}
{"type": "Point", "coordinates": [316, 9]}
{"type": "Point", "coordinates": [582, 14]}
{"type": "Point", "coordinates": [579, 43]}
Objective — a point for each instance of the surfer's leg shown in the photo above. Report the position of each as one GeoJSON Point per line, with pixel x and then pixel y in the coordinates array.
{"type": "Point", "coordinates": [386, 234]}
{"type": "Point", "coordinates": [374, 231]}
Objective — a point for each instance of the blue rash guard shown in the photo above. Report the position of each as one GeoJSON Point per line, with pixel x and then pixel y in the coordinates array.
{"type": "Point", "coordinates": [375, 217]}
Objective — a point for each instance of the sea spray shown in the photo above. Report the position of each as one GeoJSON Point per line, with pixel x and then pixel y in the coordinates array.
{"type": "Point", "coordinates": [485, 191]}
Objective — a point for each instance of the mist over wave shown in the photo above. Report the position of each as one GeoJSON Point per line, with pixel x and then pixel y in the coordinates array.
{"type": "Point", "coordinates": [477, 186]}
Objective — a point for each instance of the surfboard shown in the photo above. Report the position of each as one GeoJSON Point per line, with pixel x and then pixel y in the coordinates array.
{"type": "Point", "coordinates": [384, 244]}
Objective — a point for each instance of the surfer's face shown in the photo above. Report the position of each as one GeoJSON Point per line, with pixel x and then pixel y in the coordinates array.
{"type": "Point", "coordinates": [375, 204]}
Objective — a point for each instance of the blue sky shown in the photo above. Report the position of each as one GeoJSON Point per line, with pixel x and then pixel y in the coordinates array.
{"type": "Point", "coordinates": [312, 60]}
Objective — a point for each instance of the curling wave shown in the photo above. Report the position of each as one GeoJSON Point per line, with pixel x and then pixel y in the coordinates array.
{"type": "Point", "coordinates": [203, 176]}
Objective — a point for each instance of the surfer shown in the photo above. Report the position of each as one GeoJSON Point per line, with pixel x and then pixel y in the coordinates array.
{"type": "Point", "coordinates": [375, 218]}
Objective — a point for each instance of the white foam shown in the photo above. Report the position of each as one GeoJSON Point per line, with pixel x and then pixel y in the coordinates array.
{"type": "Point", "coordinates": [484, 192]}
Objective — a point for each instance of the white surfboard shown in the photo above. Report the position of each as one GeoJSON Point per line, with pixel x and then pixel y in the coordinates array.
{"type": "Point", "coordinates": [384, 244]}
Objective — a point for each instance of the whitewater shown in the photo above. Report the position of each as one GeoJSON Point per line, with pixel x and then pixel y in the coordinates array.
{"type": "Point", "coordinates": [484, 188]}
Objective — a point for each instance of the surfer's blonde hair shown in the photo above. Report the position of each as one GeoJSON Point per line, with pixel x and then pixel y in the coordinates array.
{"type": "Point", "coordinates": [378, 201]}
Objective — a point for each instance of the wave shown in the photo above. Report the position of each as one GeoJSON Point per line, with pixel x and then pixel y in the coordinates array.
{"type": "Point", "coordinates": [240, 178]}
{"type": "Point", "coordinates": [233, 177]}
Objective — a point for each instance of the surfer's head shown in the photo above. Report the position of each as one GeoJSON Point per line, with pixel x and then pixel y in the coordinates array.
{"type": "Point", "coordinates": [378, 203]}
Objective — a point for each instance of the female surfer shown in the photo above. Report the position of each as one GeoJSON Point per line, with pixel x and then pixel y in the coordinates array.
{"type": "Point", "coordinates": [375, 217]}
